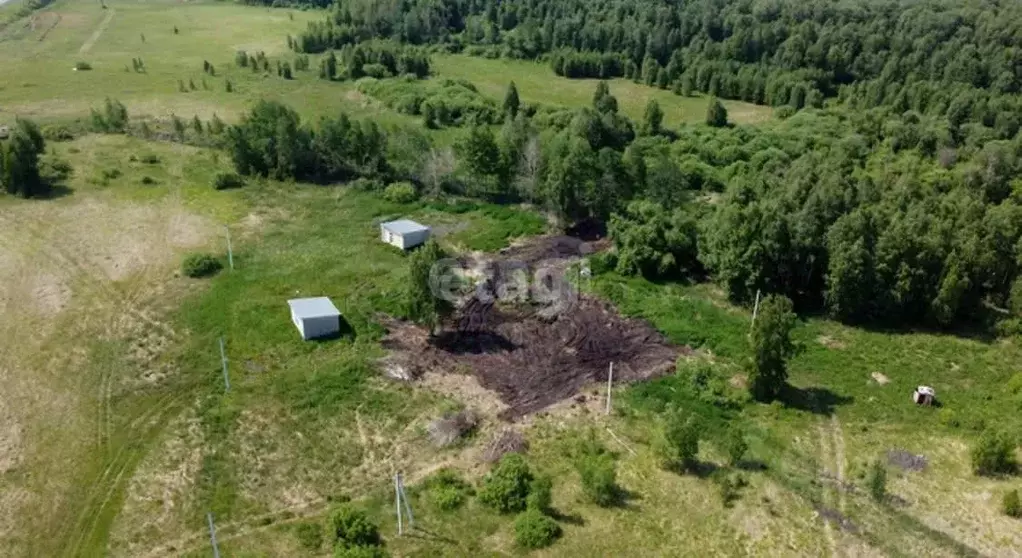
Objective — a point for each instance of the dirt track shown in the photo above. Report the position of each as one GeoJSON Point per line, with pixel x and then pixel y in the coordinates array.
{"type": "Point", "coordinates": [533, 355]}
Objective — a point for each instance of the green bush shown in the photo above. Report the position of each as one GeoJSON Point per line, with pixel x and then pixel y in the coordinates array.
{"type": "Point", "coordinates": [366, 184]}
{"type": "Point", "coordinates": [148, 181]}
{"type": "Point", "coordinates": [353, 528]}
{"type": "Point", "coordinates": [57, 132]}
{"type": "Point", "coordinates": [947, 417]}
{"type": "Point", "coordinates": [540, 494]}
{"type": "Point", "coordinates": [400, 192]}
{"type": "Point", "coordinates": [535, 530]}
{"type": "Point", "coordinates": [1015, 384]}
{"type": "Point", "coordinates": [200, 265]}
{"type": "Point", "coordinates": [82, 66]}
{"type": "Point", "coordinates": [677, 443]}
{"type": "Point", "coordinates": [735, 444]}
{"type": "Point", "coordinates": [309, 535]}
{"type": "Point", "coordinates": [994, 454]}
{"type": "Point", "coordinates": [506, 487]}
{"type": "Point", "coordinates": [447, 490]}
{"type": "Point", "coordinates": [876, 480]}
{"type": "Point", "coordinates": [150, 159]}
{"type": "Point", "coordinates": [597, 471]}
{"type": "Point", "coordinates": [227, 180]}
{"type": "Point", "coordinates": [1011, 506]}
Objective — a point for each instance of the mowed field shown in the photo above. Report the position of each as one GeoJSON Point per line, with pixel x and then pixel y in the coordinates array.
{"type": "Point", "coordinates": [39, 55]}
{"type": "Point", "coordinates": [537, 83]}
{"type": "Point", "coordinates": [117, 436]}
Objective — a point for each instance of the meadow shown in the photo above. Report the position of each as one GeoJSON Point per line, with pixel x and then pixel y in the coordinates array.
{"type": "Point", "coordinates": [119, 434]}
{"type": "Point", "coordinates": [537, 83]}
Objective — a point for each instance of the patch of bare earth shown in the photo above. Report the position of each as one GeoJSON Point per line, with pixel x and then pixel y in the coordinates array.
{"type": "Point", "coordinates": [533, 343]}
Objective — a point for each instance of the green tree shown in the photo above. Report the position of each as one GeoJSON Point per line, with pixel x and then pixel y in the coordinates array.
{"type": "Point", "coordinates": [772, 347]}
{"type": "Point", "coordinates": [506, 487]}
{"type": "Point", "coordinates": [653, 119]}
{"type": "Point", "coordinates": [425, 306]}
{"type": "Point", "coordinates": [653, 241]}
{"type": "Point", "coordinates": [19, 160]}
{"type": "Point", "coordinates": [716, 114]}
{"type": "Point", "coordinates": [479, 152]}
{"type": "Point", "coordinates": [603, 101]}
{"type": "Point", "coordinates": [511, 100]}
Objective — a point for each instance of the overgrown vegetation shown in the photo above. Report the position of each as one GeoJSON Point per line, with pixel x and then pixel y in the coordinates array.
{"type": "Point", "coordinates": [200, 265]}
{"type": "Point", "coordinates": [506, 487]}
{"type": "Point", "coordinates": [994, 454]}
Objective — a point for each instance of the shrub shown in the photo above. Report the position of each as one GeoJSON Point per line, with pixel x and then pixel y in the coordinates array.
{"type": "Point", "coordinates": [1015, 384]}
{"type": "Point", "coordinates": [200, 265]}
{"type": "Point", "coordinates": [57, 132]}
{"type": "Point", "coordinates": [729, 487]}
{"type": "Point", "coordinates": [947, 417]}
{"type": "Point", "coordinates": [148, 180]}
{"type": "Point", "coordinates": [378, 71]}
{"type": "Point", "coordinates": [735, 444]}
{"type": "Point", "coordinates": [1011, 506]}
{"type": "Point", "coordinates": [876, 480]}
{"type": "Point", "coordinates": [150, 159]}
{"type": "Point", "coordinates": [535, 530]}
{"type": "Point", "coordinates": [447, 490]}
{"type": "Point", "coordinates": [353, 528]}
{"type": "Point", "coordinates": [226, 180]}
{"type": "Point", "coordinates": [367, 184]}
{"type": "Point", "coordinates": [82, 66]}
{"type": "Point", "coordinates": [506, 487]}
{"type": "Point", "coordinates": [309, 535]}
{"type": "Point", "coordinates": [540, 494]}
{"type": "Point", "coordinates": [400, 192]}
{"type": "Point", "coordinates": [994, 454]}
{"type": "Point", "coordinates": [677, 444]}
{"type": "Point", "coordinates": [598, 474]}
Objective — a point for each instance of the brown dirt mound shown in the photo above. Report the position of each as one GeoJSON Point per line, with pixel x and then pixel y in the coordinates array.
{"type": "Point", "coordinates": [534, 355]}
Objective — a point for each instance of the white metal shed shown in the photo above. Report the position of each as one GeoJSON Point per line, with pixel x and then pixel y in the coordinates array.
{"type": "Point", "coordinates": [404, 234]}
{"type": "Point", "coordinates": [315, 317]}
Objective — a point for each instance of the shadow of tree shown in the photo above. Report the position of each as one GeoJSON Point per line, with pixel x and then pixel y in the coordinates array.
{"type": "Point", "coordinates": [816, 400]}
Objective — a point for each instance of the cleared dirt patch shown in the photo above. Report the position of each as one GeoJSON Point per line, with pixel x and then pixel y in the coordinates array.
{"type": "Point", "coordinates": [536, 353]}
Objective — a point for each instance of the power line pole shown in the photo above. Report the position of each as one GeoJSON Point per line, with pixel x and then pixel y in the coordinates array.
{"type": "Point", "coordinates": [230, 253]}
{"type": "Point", "coordinates": [223, 364]}
{"type": "Point", "coordinates": [397, 503]}
{"type": "Point", "coordinates": [212, 535]}
{"type": "Point", "coordinates": [610, 384]}
{"type": "Point", "coordinates": [404, 498]}
{"type": "Point", "coordinates": [755, 310]}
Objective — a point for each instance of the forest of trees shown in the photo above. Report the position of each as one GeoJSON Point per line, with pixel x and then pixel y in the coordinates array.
{"type": "Point", "coordinates": [885, 194]}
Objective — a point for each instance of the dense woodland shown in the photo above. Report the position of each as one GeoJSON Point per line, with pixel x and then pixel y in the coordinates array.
{"type": "Point", "coordinates": [885, 193]}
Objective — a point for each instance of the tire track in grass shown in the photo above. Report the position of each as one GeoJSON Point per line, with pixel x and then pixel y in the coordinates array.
{"type": "Point", "coordinates": [87, 45]}
{"type": "Point", "coordinates": [826, 459]}
{"type": "Point", "coordinates": [103, 500]}
{"type": "Point", "coordinates": [106, 297]}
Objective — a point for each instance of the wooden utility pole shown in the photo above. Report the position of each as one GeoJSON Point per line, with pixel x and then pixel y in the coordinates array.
{"type": "Point", "coordinates": [610, 384]}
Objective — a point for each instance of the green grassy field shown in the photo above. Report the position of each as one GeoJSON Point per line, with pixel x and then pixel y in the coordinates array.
{"type": "Point", "coordinates": [118, 436]}
{"type": "Point", "coordinates": [42, 54]}
{"type": "Point", "coordinates": [537, 83]}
